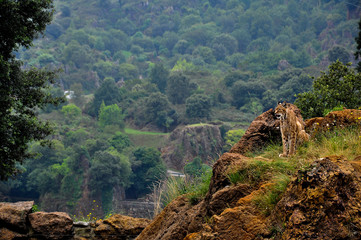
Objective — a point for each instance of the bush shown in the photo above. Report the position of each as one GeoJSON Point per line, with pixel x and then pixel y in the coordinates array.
{"type": "Point", "coordinates": [198, 106]}
{"type": "Point", "coordinates": [341, 86]}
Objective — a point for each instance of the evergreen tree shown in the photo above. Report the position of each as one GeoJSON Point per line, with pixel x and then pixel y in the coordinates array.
{"type": "Point", "coordinates": [22, 92]}
{"type": "Point", "coordinates": [159, 76]}
{"type": "Point", "coordinates": [178, 89]}
{"type": "Point", "coordinates": [108, 93]}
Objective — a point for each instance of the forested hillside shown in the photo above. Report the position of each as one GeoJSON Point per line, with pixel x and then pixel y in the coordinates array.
{"type": "Point", "coordinates": [157, 64]}
{"type": "Point", "coordinates": [246, 54]}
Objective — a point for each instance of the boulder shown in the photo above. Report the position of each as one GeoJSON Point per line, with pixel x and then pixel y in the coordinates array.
{"type": "Point", "coordinates": [323, 202]}
{"type": "Point", "coordinates": [174, 221]}
{"type": "Point", "coordinates": [263, 130]}
{"type": "Point", "coordinates": [120, 227]}
{"type": "Point", "coordinates": [14, 215]}
{"type": "Point", "coordinates": [52, 225]}
{"type": "Point", "coordinates": [220, 170]}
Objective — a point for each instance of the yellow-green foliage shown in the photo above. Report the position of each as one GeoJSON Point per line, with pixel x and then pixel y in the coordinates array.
{"type": "Point", "coordinates": [232, 137]}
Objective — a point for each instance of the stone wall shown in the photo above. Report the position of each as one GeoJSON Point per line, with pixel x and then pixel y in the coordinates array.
{"type": "Point", "coordinates": [136, 209]}
{"type": "Point", "coordinates": [18, 221]}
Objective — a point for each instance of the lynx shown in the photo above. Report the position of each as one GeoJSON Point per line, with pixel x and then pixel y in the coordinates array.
{"type": "Point", "coordinates": [292, 129]}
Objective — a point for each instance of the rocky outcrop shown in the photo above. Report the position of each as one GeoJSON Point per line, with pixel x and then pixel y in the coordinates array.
{"type": "Point", "coordinates": [17, 221]}
{"type": "Point", "coordinates": [263, 130]}
{"type": "Point", "coordinates": [336, 119]}
{"type": "Point", "coordinates": [321, 202]}
{"type": "Point", "coordinates": [174, 221]}
{"type": "Point", "coordinates": [186, 143]}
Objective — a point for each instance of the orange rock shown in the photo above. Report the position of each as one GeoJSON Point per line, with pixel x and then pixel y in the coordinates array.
{"type": "Point", "coordinates": [336, 119]}
{"type": "Point", "coordinates": [120, 227]}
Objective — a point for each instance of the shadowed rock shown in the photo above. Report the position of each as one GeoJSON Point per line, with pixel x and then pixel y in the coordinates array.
{"type": "Point", "coordinates": [53, 225]}
{"type": "Point", "coordinates": [14, 215]}
{"type": "Point", "coordinates": [120, 227]}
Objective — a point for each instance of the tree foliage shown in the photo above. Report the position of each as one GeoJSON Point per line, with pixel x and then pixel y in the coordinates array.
{"type": "Point", "coordinates": [198, 106]}
{"type": "Point", "coordinates": [22, 92]}
{"type": "Point", "coordinates": [148, 168]}
{"type": "Point", "coordinates": [196, 168]}
{"type": "Point", "coordinates": [178, 89]}
{"type": "Point", "coordinates": [159, 76]}
{"type": "Point", "coordinates": [108, 93]}
{"type": "Point", "coordinates": [111, 115]}
{"type": "Point", "coordinates": [340, 86]}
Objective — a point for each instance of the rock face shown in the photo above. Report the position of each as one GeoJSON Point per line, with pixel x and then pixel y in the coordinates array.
{"type": "Point", "coordinates": [323, 202]}
{"type": "Point", "coordinates": [262, 130]}
{"type": "Point", "coordinates": [186, 143]}
{"type": "Point", "coordinates": [173, 222]}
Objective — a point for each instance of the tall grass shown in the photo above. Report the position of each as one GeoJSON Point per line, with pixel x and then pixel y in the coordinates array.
{"type": "Point", "coordinates": [167, 190]}
{"type": "Point", "coordinates": [268, 167]}
{"type": "Point", "coordinates": [342, 142]}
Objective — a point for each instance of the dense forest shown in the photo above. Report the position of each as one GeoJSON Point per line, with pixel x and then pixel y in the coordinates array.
{"type": "Point", "coordinates": [155, 65]}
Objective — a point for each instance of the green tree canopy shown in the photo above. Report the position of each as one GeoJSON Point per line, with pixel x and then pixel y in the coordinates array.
{"type": "Point", "coordinates": [159, 76]}
{"type": "Point", "coordinates": [108, 93]}
{"type": "Point", "coordinates": [178, 89]}
{"type": "Point", "coordinates": [71, 111]}
{"type": "Point", "coordinates": [196, 168]}
{"type": "Point", "coordinates": [148, 168]}
{"type": "Point", "coordinates": [22, 92]}
{"type": "Point", "coordinates": [198, 106]}
{"type": "Point", "coordinates": [111, 115]}
{"type": "Point", "coordinates": [120, 141]}
{"type": "Point", "coordinates": [21, 22]}
{"type": "Point", "coordinates": [109, 168]}
{"type": "Point", "coordinates": [339, 53]}
{"type": "Point", "coordinates": [340, 86]}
